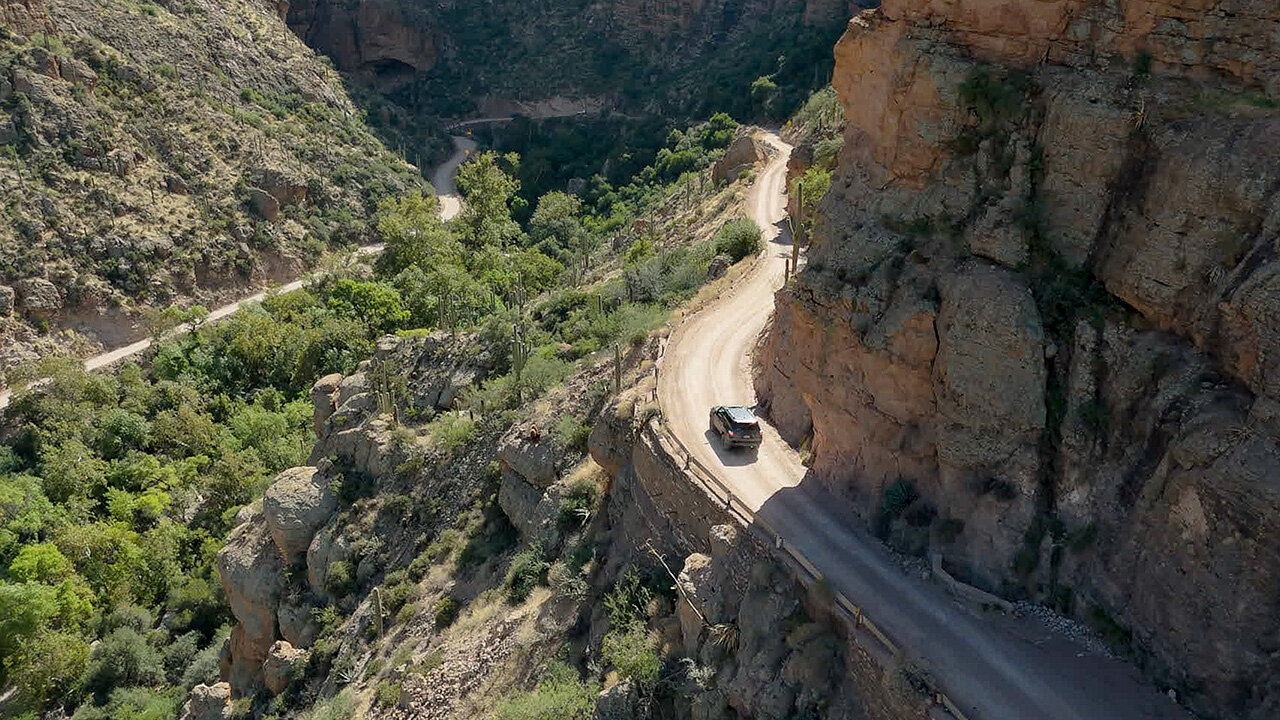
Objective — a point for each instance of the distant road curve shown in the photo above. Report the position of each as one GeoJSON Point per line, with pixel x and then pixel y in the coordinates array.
{"type": "Point", "coordinates": [450, 206]}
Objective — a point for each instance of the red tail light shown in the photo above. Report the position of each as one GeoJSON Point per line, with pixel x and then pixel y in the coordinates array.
{"type": "Point", "coordinates": [730, 433]}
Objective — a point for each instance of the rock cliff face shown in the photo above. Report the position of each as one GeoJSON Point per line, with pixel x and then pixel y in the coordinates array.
{"type": "Point", "coordinates": [1037, 329]}
{"type": "Point", "coordinates": [382, 40]}
{"type": "Point", "coordinates": [514, 49]}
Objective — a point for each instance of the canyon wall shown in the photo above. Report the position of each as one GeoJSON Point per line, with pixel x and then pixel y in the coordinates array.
{"type": "Point", "coordinates": [1037, 332]}
{"type": "Point", "coordinates": [529, 51]}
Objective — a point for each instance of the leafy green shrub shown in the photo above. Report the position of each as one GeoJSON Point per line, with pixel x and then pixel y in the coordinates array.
{"type": "Point", "coordinates": [387, 693]}
{"type": "Point", "coordinates": [122, 659]}
{"type": "Point", "coordinates": [341, 579]}
{"type": "Point", "coordinates": [446, 611]}
{"type": "Point", "coordinates": [626, 602]}
{"type": "Point", "coordinates": [205, 667]}
{"type": "Point", "coordinates": [571, 433]}
{"type": "Point", "coordinates": [44, 666]}
{"type": "Point", "coordinates": [134, 703]}
{"type": "Point", "coordinates": [633, 652]}
{"type": "Point", "coordinates": [560, 695]}
{"type": "Point", "coordinates": [396, 596]}
{"type": "Point", "coordinates": [738, 239]}
{"type": "Point", "coordinates": [528, 570]}
{"type": "Point", "coordinates": [452, 431]}
{"type": "Point", "coordinates": [578, 503]}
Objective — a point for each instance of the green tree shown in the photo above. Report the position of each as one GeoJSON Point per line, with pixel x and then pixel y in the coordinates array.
{"type": "Point", "coordinates": [121, 431]}
{"type": "Point", "coordinates": [40, 563]}
{"type": "Point", "coordinates": [556, 225]}
{"type": "Point", "coordinates": [123, 658]}
{"type": "Point", "coordinates": [414, 234]}
{"type": "Point", "coordinates": [46, 666]}
{"type": "Point", "coordinates": [738, 239]}
{"type": "Point", "coordinates": [488, 184]}
{"type": "Point", "coordinates": [375, 304]}
{"type": "Point", "coordinates": [25, 609]}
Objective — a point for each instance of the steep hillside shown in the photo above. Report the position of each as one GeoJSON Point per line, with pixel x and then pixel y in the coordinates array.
{"type": "Point", "coordinates": [1037, 331]}
{"type": "Point", "coordinates": [166, 153]}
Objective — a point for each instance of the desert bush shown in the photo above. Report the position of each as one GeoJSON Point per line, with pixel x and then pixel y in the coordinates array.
{"type": "Point", "coordinates": [387, 693]}
{"type": "Point", "coordinates": [571, 433]}
{"type": "Point", "coordinates": [446, 611]}
{"type": "Point", "coordinates": [633, 652]}
{"type": "Point", "coordinates": [738, 239]}
{"type": "Point", "coordinates": [528, 570]}
{"type": "Point", "coordinates": [560, 695]}
{"type": "Point", "coordinates": [341, 579]}
{"type": "Point", "coordinates": [452, 431]}
{"type": "Point", "coordinates": [579, 502]}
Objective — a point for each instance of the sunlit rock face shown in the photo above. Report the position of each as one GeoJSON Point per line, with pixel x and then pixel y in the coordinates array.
{"type": "Point", "coordinates": [1036, 296]}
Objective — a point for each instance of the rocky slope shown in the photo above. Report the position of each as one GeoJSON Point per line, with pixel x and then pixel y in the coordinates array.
{"type": "Point", "coordinates": [384, 520]}
{"type": "Point", "coordinates": [163, 153]}
{"type": "Point", "coordinates": [1036, 332]}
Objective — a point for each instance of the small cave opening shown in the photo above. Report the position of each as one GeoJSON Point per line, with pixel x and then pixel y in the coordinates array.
{"type": "Point", "coordinates": [389, 71]}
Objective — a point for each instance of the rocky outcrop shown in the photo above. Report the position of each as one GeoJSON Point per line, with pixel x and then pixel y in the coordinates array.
{"type": "Point", "coordinates": [436, 367]}
{"type": "Point", "coordinates": [1031, 333]}
{"type": "Point", "coordinates": [283, 665]}
{"type": "Point", "coordinates": [253, 579]}
{"type": "Point", "coordinates": [208, 703]}
{"type": "Point", "coordinates": [273, 536]}
{"type": "Point", "coordinates": [25, 16]}
{"type": "Point", "coordinates": [295, 506]}
{"type": "Point", "coordinates": [39, 298]}
{"type": "Point", "coordinates": [374, 37]}
{"type": "Point", "coordinates": [741, 155]}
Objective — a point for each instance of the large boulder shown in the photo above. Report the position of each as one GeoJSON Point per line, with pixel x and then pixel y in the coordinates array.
{"type": "Point", "coordinates": [263, 204]}
{"type": "Point", "coordinates": [286, 187]}
{"type": "Point", "coordinates": [535, 512]}
{"type": "Point", "coordinates": [619, 702]}
{"type": "Point", "coordinates": [39, 298]}
{"type": "Point", "coordinates": [208, 702]}
{"type": "Point", "coordinates": [253, 578]}
{"type": "Point", "coordinates": [742, 154]}
{"type": "Point", "coordinates": [297, 623]}
{"type": "Point", "coordinates": [527, 451]}
{"type": "Point", "coordinates": [283, 665]}
{"type": "Point", "coordinates": [295, 506]}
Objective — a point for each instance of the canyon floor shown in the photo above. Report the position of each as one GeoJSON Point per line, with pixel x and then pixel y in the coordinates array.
{"type": "Point", "coordinates": [995, 666]}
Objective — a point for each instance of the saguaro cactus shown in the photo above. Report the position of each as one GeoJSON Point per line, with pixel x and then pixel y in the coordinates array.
{"type": "Point", "coordinates": [519, 357]}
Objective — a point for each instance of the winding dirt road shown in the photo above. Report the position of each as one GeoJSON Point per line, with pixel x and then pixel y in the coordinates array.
{"type": "Point", "coordinates": [450, 206]}
{"type": "Point", "coordinates": [994, 667]}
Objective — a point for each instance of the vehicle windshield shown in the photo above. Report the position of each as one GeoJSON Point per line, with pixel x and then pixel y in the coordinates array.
{"type": "Point", "coordinates": [741, 415]}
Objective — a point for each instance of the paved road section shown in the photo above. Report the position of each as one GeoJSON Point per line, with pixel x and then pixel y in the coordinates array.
{"type": "Point", "coordinates": [994, 667]}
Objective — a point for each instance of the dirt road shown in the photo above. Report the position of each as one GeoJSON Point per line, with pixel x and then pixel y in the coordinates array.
{"type": "Point", "coordinates": [450, 206]}
{"type": "Point", "coordinates": [993, 667]}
